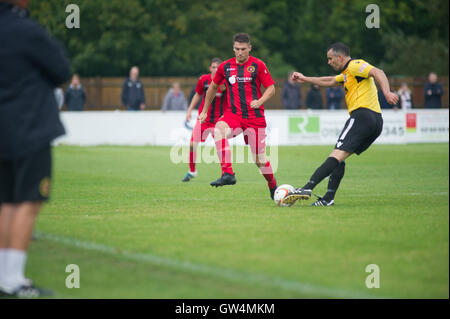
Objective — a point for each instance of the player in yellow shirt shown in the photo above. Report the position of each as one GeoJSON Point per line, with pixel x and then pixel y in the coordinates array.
{"type": "Point", "coordinates": [361, 129]}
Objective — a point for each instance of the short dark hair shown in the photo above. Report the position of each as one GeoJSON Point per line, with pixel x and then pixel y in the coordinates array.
{"type": "Point", "coordinates": [215, 60]}
{"type": "Point", "coordinates": [242, 38]}
{"type": "Point", "coordinates": [339, 47]}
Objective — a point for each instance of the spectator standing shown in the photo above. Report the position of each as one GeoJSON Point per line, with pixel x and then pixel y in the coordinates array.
{"type": "Point", "coordinates": [334, 97]}
{"type": "Point", "coordinates": [314, 99]}
{"type": "Point", "coordinates": [405, 96]}
{"type": "Point", "coordinates": [133, 95]}
{"type": "Point", "coordinates": [59, 97]}
{"type": "Point", "coordinates": [291, 95]}
{"type": "Point", "coordinates": [433, 92]}
{"type": "Point", "coordinates": [174, 99]}
{"type": "Point", "coordinates": [75, 95]}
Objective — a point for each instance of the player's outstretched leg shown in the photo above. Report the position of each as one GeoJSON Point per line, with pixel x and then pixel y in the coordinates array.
{"type": "Point", "coordinates": [305, 192]}
{"type": "Point", "coordinates": [333, 185]}
{"type": "Point", "coordinates": [192, 159]}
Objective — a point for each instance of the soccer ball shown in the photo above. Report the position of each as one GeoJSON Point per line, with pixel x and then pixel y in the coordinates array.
{"type": "Point", "coordinates": [280, 194]}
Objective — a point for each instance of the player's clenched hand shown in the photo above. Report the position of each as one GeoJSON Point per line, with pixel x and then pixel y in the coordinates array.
{"type": "Point", "coordinates": [298, 77]}
{"type": "Point", "coordinates": [202, 117]}
{"type": "Point", "coordinates": [255, 104]}
{"type": "Point", "coordinates": [391, 98]}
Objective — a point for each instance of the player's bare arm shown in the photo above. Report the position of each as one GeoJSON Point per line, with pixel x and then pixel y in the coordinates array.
{"type": "Point", "coordinates": [382, 81]}
{"type": "Point", "coordinates": [321, 81]}
{"type": "Point", "coordinates": [194, 102]}
{"type": "Point", "coordinates": [268, 93]}
{"type": "Point", "coordinates": [210, 94]}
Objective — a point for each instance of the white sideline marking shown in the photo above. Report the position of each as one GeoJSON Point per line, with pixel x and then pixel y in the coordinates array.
{"type": "Point", "coordinates": [408, 194]}
{"type": "Point", "coordinates": [222, 273]}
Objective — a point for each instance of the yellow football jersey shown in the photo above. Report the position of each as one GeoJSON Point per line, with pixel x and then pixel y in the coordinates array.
{"type": "Point", "coordinates": [359, 87]}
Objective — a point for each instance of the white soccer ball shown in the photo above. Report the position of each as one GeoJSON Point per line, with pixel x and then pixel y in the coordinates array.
{"type": "Point", "coordinates": [280, 193]}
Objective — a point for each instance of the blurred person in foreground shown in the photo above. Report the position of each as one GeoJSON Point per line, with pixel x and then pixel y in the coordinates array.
{"type": "Point", "coordinates": [433, 92]}
{"type": "Point", "coordinates": [32, 65]}
{"type": "Point", "coordinates": [133, 95]}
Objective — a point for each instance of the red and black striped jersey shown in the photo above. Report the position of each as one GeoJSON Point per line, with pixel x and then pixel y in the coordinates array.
{"type": "Point", "coordinates": [218, 105]}
{"type": "Point", "coordinates": [244, 85]}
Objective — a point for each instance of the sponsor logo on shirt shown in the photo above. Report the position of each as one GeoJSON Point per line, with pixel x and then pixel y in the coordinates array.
{"type": "Point", "coordinates": [244, 79]}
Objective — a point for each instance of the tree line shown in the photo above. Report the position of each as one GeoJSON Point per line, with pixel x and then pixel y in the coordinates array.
{"type": "Point", "coordinates": [178, 38]}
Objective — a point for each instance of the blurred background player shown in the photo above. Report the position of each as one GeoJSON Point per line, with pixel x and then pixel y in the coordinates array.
{"type": "Point", "coordinates": [361, 129]}
{"type": "Point", "coordinates": [202, 130]}
{"type": "Point", "coordinates": [244, 75]}
{"type": "Point", "coordinates": [32, 64]}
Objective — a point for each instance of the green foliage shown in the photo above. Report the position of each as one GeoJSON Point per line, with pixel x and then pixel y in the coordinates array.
{"type": "Point", "coordinates": [423, 54]}
{"type": "Point", "coordinates": [177, 38]}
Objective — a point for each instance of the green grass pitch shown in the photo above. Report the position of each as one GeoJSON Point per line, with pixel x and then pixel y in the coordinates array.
{"type": "Point", "coordinates": [135, 230]}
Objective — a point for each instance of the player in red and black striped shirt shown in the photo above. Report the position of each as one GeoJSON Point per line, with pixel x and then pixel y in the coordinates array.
{"type": "Point", "coordinates": [202, 130]}
{"type": "Point", "coordinates": [244, 75]}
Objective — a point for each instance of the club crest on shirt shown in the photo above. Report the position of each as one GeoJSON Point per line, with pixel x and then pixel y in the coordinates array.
{"type": "Point", "coordinates": [251, 68]}
{"type": "Point", "coordinates": [44, 187]}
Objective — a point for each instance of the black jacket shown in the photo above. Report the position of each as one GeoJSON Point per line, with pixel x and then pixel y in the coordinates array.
{"type": "Point", "coordinates": [75, 98]}
{"type": "Point", "coordinates": [314, 99]}
{"type": "Point", "coordinates": [32, 64]}
{"type": "Point", "coordinates": [433, 100]}
{"type": "Point", "coordinates": [133, 94]}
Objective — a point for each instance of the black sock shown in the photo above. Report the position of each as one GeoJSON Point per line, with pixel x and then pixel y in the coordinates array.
{"type": "Point", "coordinates": [323, 171]}
{"type": "Point", "coordinates": [334, 181]}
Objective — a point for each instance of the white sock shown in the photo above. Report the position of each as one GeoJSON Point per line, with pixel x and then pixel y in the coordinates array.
{"type": "Point", "coordinates": [15, 269]}
{"type": "Point", "coordinates": [193, 173]}
{"type": "Point", "coordinates": [2, 266]}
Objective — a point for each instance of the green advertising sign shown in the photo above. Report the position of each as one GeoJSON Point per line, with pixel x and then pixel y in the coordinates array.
{"type": "Point", "coordinates": [304, 125]}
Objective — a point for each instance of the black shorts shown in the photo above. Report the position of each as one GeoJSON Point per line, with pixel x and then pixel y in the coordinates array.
{"type": "Point", "coordinates": [26, 179]}
{"type": "Point", "coordinates": [360, 131]}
